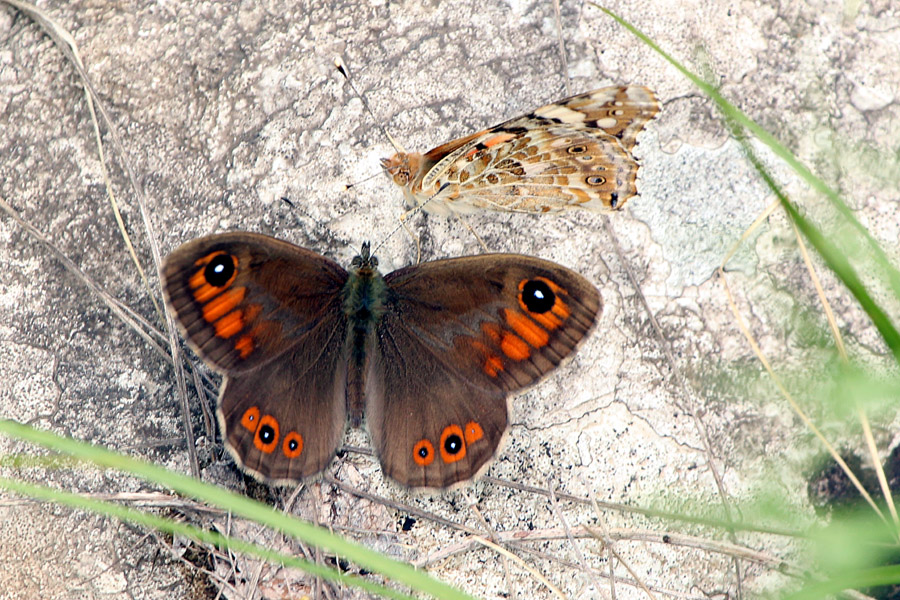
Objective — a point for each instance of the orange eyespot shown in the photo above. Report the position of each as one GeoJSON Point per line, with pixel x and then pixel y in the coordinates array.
{"type": "Point", "coordinates": [293, 445]}
{"type": "Point", "coordinates": [250, 420]}
{"type": "Point", "coordinates": [473, 432]}
{"type": "Point", "coordinates": [544, 302]}
{"type": "Point", "coordinates": [453, 444]}
{"type": "Point", "coordinates": [423, 453]}
{"type": "Point", "coordinates": [266, 437]}
{"type": "Point", "coordinates": [219, 270]}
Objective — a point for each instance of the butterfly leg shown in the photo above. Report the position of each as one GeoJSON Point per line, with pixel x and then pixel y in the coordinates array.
{"type": "Point", "coordinates": [475, 233]}
{"type": "Point", "coordinates": [409, 232]}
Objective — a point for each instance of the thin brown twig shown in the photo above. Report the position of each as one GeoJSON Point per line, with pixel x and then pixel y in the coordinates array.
{"type": "Point", "coordinates": [687, 390]}
{"type": "Point", "coordinates": [576, 547]}
{"type": "Point", "coordinates": [399, 506]}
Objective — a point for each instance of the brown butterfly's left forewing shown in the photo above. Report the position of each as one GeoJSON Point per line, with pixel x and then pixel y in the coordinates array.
{"type": "Point", "coordinates": [457, 337]}
{"type": "Point", "coordinates": [268, 315]}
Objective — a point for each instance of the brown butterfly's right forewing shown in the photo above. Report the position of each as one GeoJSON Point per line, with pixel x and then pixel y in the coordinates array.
{"type": "Point", "coordinates": [268, 315]}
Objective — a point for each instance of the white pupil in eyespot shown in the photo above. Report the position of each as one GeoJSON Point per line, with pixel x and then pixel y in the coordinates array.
{"type": "Point", "coordinates": [539, 294]}
{"type": "Point", "coordinates": [219, 268]}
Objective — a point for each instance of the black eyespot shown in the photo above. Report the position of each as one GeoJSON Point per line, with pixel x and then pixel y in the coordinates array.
{"type": "Point", "coordinates": [266, 434]}
{"type": "Point", "coordinates": [613, 200]}
{"type": "Point", "coordinates": [577, 149]}
{"type": "Point", "coordinates": [293, 445]}
{"type": "Point", "coordinates": [424, 452]}
{"type": "Point", "coordinates": [595, 180]}
{"type": "Point", "coordinates": [537, 296]}
{"type": "Point", "coordinates": [453, 444]}
{"type": "Point", "coordinates": [219, 270]}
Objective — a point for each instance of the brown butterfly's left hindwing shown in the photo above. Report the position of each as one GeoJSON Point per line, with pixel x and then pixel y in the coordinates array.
{"type": "Point", "coordinates": [457, 337]}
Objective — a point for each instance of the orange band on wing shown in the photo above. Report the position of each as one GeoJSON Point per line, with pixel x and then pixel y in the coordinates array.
{"type": "Point", "coordinates": [223, 304]}
{"type": "Point", "coordinates": [492, 365]}
{"type": "Point", "coordinates": [514, 347]}
{"type": "Point", "coordinates": [244, 346]}
{"type": "Point", "coordinates": [527, 329]}
{"type": "Point", "coordinates": [489, 143]}
{"type": "Point", "coordinates": [548, 320]}
{"type": "Point", "coordinates": [492, 331]}
{"type": "Point", "coordinates": [229, 325]}
{"type": "Point", "coordinates": [560, 309]}
{"type": "Point", "coordinates": [197, 280]}
{"type": "Point", "coordinates": [206, 292]}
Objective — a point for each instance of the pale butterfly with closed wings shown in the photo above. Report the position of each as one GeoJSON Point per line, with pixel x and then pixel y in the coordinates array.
{"type": "Point", "coordinates": [575, 153]}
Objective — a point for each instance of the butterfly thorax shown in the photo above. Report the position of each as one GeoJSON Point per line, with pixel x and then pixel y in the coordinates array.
{"type": "Point", "coordinates": [364, 292]}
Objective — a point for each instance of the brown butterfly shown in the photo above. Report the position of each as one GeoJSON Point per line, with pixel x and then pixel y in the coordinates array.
{"type": "Point", "coordinates": [427, 354]}
{"type": "Point", "coordinates": [574, 153]}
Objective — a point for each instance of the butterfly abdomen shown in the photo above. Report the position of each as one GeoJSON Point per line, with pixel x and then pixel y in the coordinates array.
{"type": "Point", "coordinates": [364, 304]}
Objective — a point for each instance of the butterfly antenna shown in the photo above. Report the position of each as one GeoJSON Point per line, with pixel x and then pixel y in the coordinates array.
{"type": "Point", "coordinates": [562, 47]}
{"type": "Point", "coordinates": [348, 186]}
{"type": "Point", "coordinates": [340, 66]}
{"type": "Point", "coordinates": [406, 216]}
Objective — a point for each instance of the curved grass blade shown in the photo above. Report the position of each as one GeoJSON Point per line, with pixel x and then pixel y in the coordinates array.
{"type": "Point", "coordinates": [239, 505]}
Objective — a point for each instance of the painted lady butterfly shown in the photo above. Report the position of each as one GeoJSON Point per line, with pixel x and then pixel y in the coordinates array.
{"type": "Point", "coordinates": [574, 153]}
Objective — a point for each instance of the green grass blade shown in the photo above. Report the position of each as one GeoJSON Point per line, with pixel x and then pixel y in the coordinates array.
{"type": "Point", "coordinates": [830, 253]}
{"type": "Point", "coordinates": [776, 147]}
{"type": "Point", "coordinates": [123, 513]}
{"type": "Point", "coordinates": [239, 505]}
{"type": "Point", "coordinates": [838, 263]}
{"type": "Point", "coordinates": [863, 578]}
{"type": "Point", "coordinates": [836, 260]}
